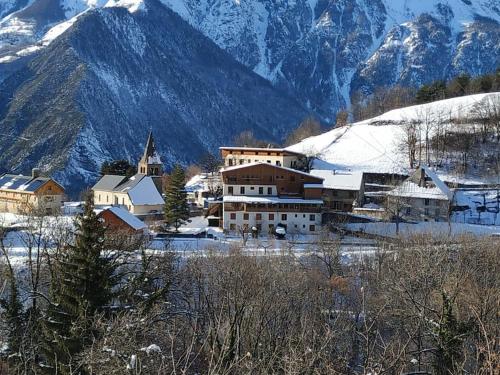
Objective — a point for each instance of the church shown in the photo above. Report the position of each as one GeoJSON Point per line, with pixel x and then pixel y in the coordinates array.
{"type": "Point", "coordinates": [139, 194]}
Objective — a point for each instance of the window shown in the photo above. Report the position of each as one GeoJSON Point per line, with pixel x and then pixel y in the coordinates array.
{"type": "Point", "coordinates": [312, 217]}
{"type": "Point", "coordinates": [269, 191]}
{"type": "Point", "coordinates": [99, 197]}
{"type": "Point", "coordinates": [259, 227]}
{"type": "Point", "coordinates": [269, 161]}
{"type": "Point", "coordinates": [245, 216]}
{"type": "Point", "coordinates": [408, 210]}
{"type": "Point", "coordinates": [230, 190]}
{"type": "Point", "coordinates": [283, 217]}
{"type": "Point", "coordinates": [258, 216]}
{"type": "Point", "coordinates": [242, 190]}
{"type": "Point", "coordinates": [252, 187]}
{"type": "Point", "coordinates": [427, 201]}
{"type": "Point", "coordinates": [304, 216]}
{"type": "Point", "coordinates": [278, 163]}
{"type": "Point", "coordinates": [242, 161]}
{"type": "Point", "coordinates": [233, 215]}
{"type": "Point", "coordinates": [230, 162]}
{"type": "Point", "coordinates": [261, 190]}
{"type": "Point", "coordinates": [123, 201]}
{"type": "Point", "coordinates": [271, 216]}
{"type": "Point", "coordinates": [232, 226]}
{"type": "Point", "coordinates": [106, 198]}
{"type": "Point", "coordinates": [426, 211]}
{"type": "Point", "coordinates": [295, 215]}
{"type": "Point", "coordinates": [271, 227]}
{"type": "Point", "coordinates": [312, 228]}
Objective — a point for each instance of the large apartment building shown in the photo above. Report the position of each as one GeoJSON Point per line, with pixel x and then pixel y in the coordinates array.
{"type": "Point", "coordinates": [264, 195]}
{"type": "Point", "coordinates": [276, 156]}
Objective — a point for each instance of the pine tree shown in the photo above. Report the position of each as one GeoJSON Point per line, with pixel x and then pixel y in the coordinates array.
{"type": "Point", "coordinates": [176, 207]}
{"type": "Point", "coordinates": [80, 287]}
{"type": "Point", "coordinates": [450, 335]}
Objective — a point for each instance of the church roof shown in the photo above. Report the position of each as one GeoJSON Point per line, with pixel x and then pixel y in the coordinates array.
{"type": "Point", "coordinates": [150, 155]}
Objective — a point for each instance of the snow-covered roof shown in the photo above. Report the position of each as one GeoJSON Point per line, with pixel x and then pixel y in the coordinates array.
{"type": "Point", "coordinates": [145, 193]}
{"type": "Point", "coordinates": [109, 182]}
{"type": "Point", "coordinates": [437, 189]}
{"type": "Point", "coordinates": [127, 217]}
{"type": "Point", "coordinates": [27, 184]}
{"type": "Point", "coordinates": [253, 164]}
{"type": "Point", "coordinates": [268, 200]}
{"type": "Point", "coordinates": [263, 149]}
{"type": "Point", "coordinates": [339, 181]}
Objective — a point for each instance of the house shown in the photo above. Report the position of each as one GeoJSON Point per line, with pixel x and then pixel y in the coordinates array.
{"type": "Point", "coordinates": [263, 196]}
{"type": "Point", "coordinates": [342, 191]}
{"type": "Point", "coordinates": [203, 188]}
{"type": "Point", "coordinates": [422, 197]}
{"type": "Point", "coordinates": [276, 156]}
{"type": "Point", "coordinates": [118, 219]}
{"type": "Point", "coordinates": [22, 194]}
{"type": "Point", "coordinates": [139, 194]}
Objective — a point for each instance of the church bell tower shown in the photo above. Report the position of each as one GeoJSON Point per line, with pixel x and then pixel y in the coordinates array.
{"type": "Point", "coordinates": [150, 163]}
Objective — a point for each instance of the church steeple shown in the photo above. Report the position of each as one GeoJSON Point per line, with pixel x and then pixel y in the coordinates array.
{"type": "Point", "coordinates": [150, 163]}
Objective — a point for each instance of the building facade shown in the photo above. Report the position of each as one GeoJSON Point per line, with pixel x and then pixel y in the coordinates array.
{"type": "Point", "coordinates": [30, 194]}
{"type": "Point", "coordinates": [263, 196]}
{"type": "Point", "coordinates": [422, 197]}
{"type": "Point", "coordinates": [276, 156]}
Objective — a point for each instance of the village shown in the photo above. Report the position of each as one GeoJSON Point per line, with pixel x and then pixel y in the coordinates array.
{"type": "Point", "coordinates": [265, 195]}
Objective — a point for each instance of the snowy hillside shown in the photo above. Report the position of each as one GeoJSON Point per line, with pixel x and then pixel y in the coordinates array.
{"type": "Point", "coordinates": [375, 145]}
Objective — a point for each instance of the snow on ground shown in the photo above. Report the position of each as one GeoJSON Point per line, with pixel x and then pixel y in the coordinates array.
{"type": "Point", "coordinates": [374, 145]}
{"type": "Point", "coordinates": [435, 229]}
{"type": "Point", "coordinates": [483, 207]}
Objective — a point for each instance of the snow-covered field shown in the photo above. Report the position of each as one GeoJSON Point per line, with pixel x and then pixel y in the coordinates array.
{"type": "Point", "coordinates": [433, 229]}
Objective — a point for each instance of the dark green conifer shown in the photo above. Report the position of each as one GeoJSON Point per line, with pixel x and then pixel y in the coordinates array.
{"type": "Point", "coordinates": [176, 207]}
{"type": "Point", "coordinates": [80, 287]}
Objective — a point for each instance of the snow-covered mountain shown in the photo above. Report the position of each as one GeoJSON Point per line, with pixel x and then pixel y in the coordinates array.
{"type": "Point", "coordinates": [95, 92]}
{"type": "Point", "coordinates": [320, 51]}
{"type": "Point", "coordinates": [378, 145]}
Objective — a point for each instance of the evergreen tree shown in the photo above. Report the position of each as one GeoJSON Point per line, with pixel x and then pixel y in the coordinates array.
{"type": "Point", "coordinates": [80, 287]}
{"type": "Point", "coordinates": [450, 335]}
{"type": "Point", "coordinates": [176, 207]}
{"type": "Point", "coordinates": [118, 167]}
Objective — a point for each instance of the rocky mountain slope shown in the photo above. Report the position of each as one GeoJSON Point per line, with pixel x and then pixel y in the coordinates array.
{"type": "Point", "coordinates": [95, 92]}
{"type": "Point", "coordinates": [320, 51]}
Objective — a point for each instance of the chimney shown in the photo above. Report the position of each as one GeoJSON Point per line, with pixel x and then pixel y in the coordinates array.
{"type": "Point", "coordinates": [35, 173]}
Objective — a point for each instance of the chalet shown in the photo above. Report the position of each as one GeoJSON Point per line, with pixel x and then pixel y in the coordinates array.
{"type": "Point", "coordinates": [263, 196]}
{"type": "Point", "coordinates": [275, 156]}
{"type": "Point", "coordinates": [23, 194]}
{"type": "Point", "coordinates": [139, 194]}
{"type": "Point", "coordinates": [341, 191]}
{"type": "Point", "coordinates": [120, 220]}
{"type": "Point", "coordinates": [422, 197]}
